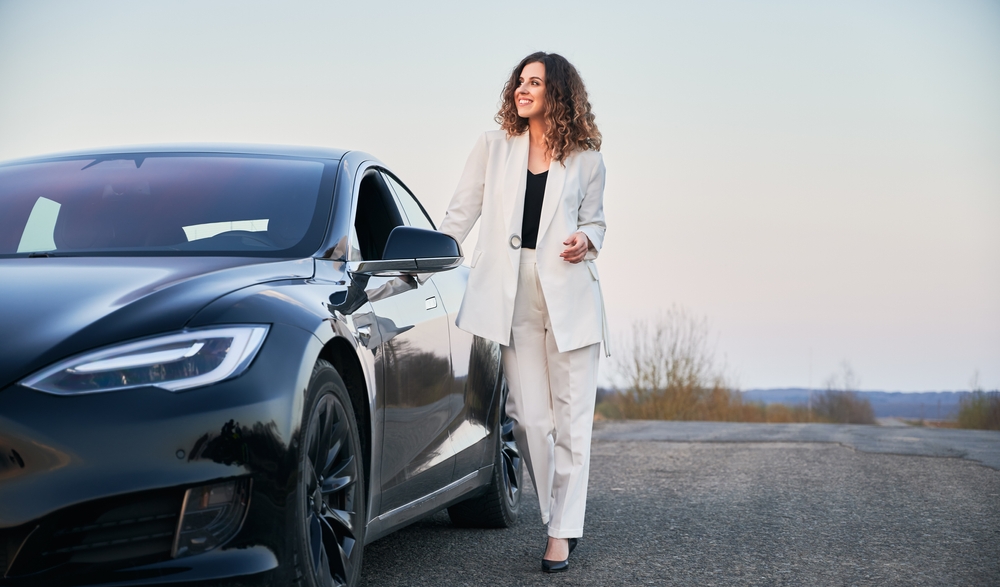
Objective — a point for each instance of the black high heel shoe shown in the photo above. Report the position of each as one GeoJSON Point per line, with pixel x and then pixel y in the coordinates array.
{"type": "Point", "coordinates": [559, 566]}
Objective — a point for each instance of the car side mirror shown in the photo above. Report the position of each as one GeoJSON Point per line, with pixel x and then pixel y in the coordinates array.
{"type": "Point", "coordinates": [414, 250]}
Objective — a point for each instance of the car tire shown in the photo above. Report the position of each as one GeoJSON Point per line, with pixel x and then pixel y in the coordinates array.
{"type": "Point", "coordinates": [330, 493]}
{"type": "Point", "coordinates": [499, 506]}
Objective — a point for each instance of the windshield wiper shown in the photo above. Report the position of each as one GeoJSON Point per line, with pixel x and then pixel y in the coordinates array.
{"type": "Point", "coordinates": [37, 254]}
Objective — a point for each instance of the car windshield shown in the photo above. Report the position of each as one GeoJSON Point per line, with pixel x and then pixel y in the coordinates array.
{"type": "Point", "coordinates": [157, 204]}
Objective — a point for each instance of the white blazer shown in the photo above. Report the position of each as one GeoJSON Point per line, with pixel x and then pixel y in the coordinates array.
{"type": "Point", "coordinates": [492, 186]}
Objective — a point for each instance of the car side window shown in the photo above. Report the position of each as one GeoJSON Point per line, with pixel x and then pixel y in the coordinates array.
{"type": "Point", "coordinates": [415, 213]}
{"type": "Point", "coordinates": [376, 216]}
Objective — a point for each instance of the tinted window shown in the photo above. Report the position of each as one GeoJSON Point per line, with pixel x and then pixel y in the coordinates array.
{"type": "Point", "coordinates": [411, 207]}
{"type": "Point", "coordinates": [162, 204]}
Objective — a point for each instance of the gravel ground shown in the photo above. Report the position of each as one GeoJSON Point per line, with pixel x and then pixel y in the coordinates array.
{"type": "Point", "coordinates": [733, 513]}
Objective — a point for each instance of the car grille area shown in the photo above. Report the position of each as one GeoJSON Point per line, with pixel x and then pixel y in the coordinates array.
{"type": "Point", "coordinates": [99, 535]}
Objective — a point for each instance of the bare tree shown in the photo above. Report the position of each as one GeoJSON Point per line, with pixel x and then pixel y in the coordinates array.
{"type": "Point", "coordinates": [666, 369]}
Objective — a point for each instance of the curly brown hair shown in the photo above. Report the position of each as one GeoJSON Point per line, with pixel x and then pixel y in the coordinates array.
{"type": "Point", "coordinates": [567, 109]}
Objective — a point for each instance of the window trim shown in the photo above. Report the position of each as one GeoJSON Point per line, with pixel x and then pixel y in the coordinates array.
{"type": "Point", "coordinates": [412, 195]}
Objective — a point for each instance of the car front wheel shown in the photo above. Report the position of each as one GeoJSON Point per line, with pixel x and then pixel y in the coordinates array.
{"type": "Point", "coordinates": [330, 496]}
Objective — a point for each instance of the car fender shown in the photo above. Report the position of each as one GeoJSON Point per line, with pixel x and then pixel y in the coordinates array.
{"type": "Point", "coordinates": [317, 306]}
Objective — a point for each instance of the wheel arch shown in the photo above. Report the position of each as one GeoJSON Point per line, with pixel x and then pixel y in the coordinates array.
{"type": "Point", "coordinates": [339, 353]}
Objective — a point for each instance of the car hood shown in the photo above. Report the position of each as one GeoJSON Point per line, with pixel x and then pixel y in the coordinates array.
{"type": "Point", "coordinates": [53, 308]}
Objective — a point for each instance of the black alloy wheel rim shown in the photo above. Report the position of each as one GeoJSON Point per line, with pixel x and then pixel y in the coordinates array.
{"type": "Point", "coordinates": [510, 455]}
{"type": "Point", "coordinates": [331, 498]}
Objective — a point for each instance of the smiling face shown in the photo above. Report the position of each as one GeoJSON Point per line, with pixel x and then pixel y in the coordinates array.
{"type": "Point", "coordinates": [529, 97]}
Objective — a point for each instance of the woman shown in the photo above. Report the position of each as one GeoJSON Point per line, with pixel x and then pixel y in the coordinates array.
{"type": "Point", "coordinates": [538, 184]}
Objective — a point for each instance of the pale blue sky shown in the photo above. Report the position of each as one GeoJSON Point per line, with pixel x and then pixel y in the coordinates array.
{"type": "Point", "coordinates": [820, 179]}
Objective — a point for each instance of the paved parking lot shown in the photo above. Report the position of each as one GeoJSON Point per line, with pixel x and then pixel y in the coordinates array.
{"type": "Point", "coordinates": [693, 503]}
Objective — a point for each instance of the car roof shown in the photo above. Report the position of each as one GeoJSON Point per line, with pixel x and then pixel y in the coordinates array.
{"type": "Point", "coordinates": [207, 148]}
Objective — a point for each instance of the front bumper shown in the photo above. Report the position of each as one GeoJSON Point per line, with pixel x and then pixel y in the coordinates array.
{"type": "Point", "coordinates": [91, 485]}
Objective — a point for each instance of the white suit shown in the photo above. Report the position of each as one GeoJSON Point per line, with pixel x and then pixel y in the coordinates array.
{"type": "Point", "coordinates": [547, 314]}
{"type": "Point", "coordinates": [492, 185]}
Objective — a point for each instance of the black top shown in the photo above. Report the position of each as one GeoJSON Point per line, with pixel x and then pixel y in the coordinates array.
{"type": "Point", "coordinates": [534, 191]}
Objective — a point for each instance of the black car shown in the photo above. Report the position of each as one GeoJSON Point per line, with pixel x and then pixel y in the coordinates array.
{"type": "Point", "coordinates": [232, 365]}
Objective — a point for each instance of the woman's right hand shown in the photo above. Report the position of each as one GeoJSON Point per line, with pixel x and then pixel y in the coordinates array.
{"type": "Point", "coordinates": [576, 247]}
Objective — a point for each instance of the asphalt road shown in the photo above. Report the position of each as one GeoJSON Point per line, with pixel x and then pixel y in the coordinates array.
{"type": "Point", "coordinates": [703, 504]}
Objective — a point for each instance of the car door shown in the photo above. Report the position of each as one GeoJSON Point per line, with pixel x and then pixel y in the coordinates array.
{"type": "Point", "coordinates": [475, 362]}
{"type": "Point", "coordinates": [413, 354]}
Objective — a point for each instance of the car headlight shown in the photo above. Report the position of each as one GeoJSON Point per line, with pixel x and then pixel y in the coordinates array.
{"type": "Point", "coordinates": [174, 362]}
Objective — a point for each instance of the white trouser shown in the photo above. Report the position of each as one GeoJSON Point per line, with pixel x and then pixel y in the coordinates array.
{"type": "Point", "coordinates": [551, 401]}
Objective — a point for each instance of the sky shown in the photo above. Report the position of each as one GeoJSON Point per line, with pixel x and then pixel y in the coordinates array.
{"type": "Point", "coordinates": [819, 180]}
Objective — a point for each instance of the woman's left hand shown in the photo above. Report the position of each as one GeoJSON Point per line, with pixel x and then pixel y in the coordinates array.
{"type": "Point", "coordinates": [576, 247]}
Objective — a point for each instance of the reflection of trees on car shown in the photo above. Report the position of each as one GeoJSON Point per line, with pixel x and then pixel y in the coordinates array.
{"type": "Point", "coordinates": [484, 364]}
{"type": "Point", "coordinates": [421, 377]}
{"type": "Point", "coordinates": [257, 446]}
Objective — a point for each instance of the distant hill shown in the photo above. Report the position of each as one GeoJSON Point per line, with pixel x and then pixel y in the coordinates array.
{"type": "Point", "coordinates": [929, 405]}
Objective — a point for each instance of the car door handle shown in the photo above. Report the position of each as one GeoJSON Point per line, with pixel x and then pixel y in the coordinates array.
{"type": "Point", "coordinates": [431, 303]}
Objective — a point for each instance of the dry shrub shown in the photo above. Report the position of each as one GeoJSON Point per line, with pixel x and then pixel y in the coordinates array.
{"type": "Point", "coordinates": [838, 406]}
{"type": "Point", "coordinates": [782, 414]}
{"type": "Point", "coordinates": [840, 403]}
{"type": "Point", "coordinates": [980, 410]}
{"type": "Point", "coordinates": [667, 370]}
